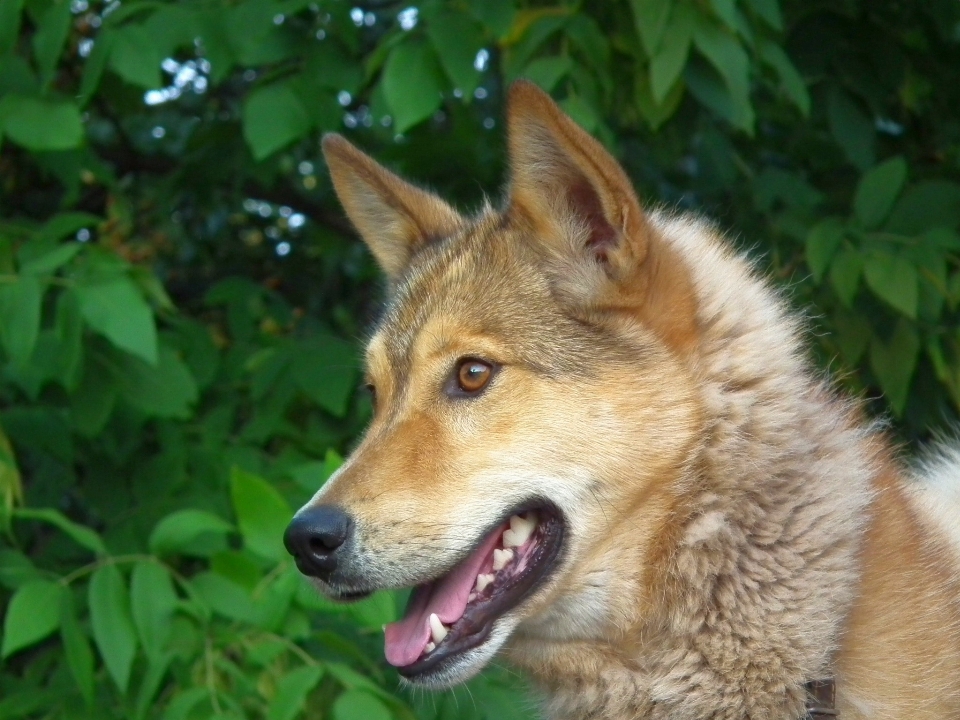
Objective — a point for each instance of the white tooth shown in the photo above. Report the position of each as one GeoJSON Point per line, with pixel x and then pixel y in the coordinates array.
{"type": "Point", "coordinates": [501, 558]}
{"type": "Point", "coordinates": [471, 597]}
{"type": "Point", "coordinates": [430, 648]}
{"type": "Point", "coordinates": [520, 530]}
{"type": "Point", "coordinates": [438, 631]}
{"type": "Point", "coordinates": [483, 581]}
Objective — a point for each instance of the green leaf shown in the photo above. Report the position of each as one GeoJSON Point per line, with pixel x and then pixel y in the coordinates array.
{"type": "Point", "coordinates": [273, 117]}
{"type": "Point", "coordinates": [135, 57]}
{"type": "Point", "coordinates": [457, 38]}
{"type": "Point", "coordinates": [94, 398]}
{"type": "Point", "coordinates": [16, 569]}
{"type": "Point", "coordinates": [33, 613]}
{"type": "Point", "coordinates": [546, 72]}
{"type": "Point", "coordinates": [411, 83]}
{"type": "Point", "coordinates": [769, 10]}
{"type": "Point", "coordinates": [790, 79]}
{"type": "Point", "coordinates": [113, 628]}
{"type": "Point", "coordinates": [151, 684]}
{"type": "Point", "coordinates": [181, 529]}
{"type": "Point", "coordinates": [262, 513]}
{"type": "Point", "coordinates": [893, 363]}
{"type": "Point", "coordinates": [925, 206]}
{"type": "Point", "coordinates": [650, 18]}
{"type": "Point", "coordinates": [822, 242]}
{"type": "Point", "coordinates": [115, 308]}
{"type": "Point", "coordinates": [153, 601]}
{"type": "Point", "coordinates": [20, 305]}
{"type": "Point", "coordinates": [50, 37]}
{"type": "Point", "coordinates": [60, 226]}
{"type": "Point", "coordinates": [893, 279]}
{"type": "Point", "coordinates": [853, 335]}
{"type": "Point", "coordinates": [41, 123]}
{"type": "Point", "coordinates": [877, 191]}
{"type": "Point", "coordinates": [325, 369]}
{"type": "Point", "coordinates": [360, 705]}
{"type": "Point", "coordinates": [52, 261]}
{"type": "Point", "coordinates": [76, 647]}
{"type": "Point", "coordinates": [9, 24]}
{"type": "Point", "coordinates": [656, 114]}
{"type": "Point", "coordinates": [312, 475]}
{"type": "Point", "coordinates": [94, 66]}
{"type": "Point", "coordinates": [730, 60]}
{"type": "Point", "coordinates": [496, 15]}
{"type": "Point", "coordinates": [292, 691]}
{"type": "Point", "coordinates": [166, 389]}
{"type": "Point", "coordinates": [668, 63]}
{"type": "Point", "coordinates": [851, 128]}
{"type": "Point", "coordinates": [224, 597]}
{"type": "Point", "coordinates": [845, 271]}
{"type": "Point", "coordinates": [80, 534]}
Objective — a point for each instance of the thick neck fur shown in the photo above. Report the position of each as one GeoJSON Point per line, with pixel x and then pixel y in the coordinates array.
{"type": "Point", "coordinates": [731, 596]}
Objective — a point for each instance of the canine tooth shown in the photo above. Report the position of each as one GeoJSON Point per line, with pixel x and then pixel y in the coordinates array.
{"type": "Point", "coordinates": [482, 581]}
{"type": "Point", "coordinates": [471, 597]}
{"type": "Point", "coordinates": [430, 648]}
{"type": "Point", "coordinates": [520, 530]}
{"type": "Point", "coordinates": [438, 631]}
{"type": "Point", "coordinates": [501, 558]}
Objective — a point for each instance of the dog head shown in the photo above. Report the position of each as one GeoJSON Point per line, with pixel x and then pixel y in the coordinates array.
{"type": "Point", "coordinates": [531, 393]}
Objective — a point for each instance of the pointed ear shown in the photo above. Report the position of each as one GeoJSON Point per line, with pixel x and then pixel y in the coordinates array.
{"type": "Point", "coordinates": [584, 210]}
{"type": "Point", "coordinates": [393, 217]}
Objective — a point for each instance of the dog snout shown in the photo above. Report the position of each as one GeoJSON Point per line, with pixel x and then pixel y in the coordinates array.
{"type": "Point", "coordinates": [314, 536]}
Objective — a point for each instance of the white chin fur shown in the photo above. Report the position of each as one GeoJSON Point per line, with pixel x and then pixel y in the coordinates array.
{"type": "Point", "coordinates": [467, 664]}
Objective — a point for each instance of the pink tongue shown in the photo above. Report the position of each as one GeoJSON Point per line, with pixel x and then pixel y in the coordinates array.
{"type": "Point", "coordinates": [405, 639]}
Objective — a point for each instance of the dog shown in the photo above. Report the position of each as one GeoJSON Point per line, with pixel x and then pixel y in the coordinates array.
{"type": "Point", "coordinates": [598, 446]}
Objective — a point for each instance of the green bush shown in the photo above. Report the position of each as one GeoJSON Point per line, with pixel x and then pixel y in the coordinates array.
{"type": "Point", "coordinates": [182, 303]}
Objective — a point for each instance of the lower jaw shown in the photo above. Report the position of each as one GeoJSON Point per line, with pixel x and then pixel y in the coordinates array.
{"type": "Point", "coordinates": [440, 672]}
{"type": "Point", "coordinates": [483, 628]}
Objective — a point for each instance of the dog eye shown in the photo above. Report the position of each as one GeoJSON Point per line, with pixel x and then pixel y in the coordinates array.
{"type": "Point", "coordinates": [473, 375]}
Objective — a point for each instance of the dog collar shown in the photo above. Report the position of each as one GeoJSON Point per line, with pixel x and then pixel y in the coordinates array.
{"type": "Point", "coordinates": [821, 700]}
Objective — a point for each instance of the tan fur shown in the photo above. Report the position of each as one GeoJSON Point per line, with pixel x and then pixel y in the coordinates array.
{"type": "Point", "coordinates": [734, 528]}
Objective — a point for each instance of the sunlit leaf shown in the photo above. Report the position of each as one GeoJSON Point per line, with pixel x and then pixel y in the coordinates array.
{"type": "Point", "coordinates": [262, 513]}
{"type": "Point", "coordinates": [411, 83]}
{"type": "Point", "coordinates": [115, 308]}
{"type": "Point", "coordinates": [80, 534]}
{"type": "Point", "coordinates": [273, 117]}
{"type": "Point", "coordinates": [153, 601]}
{"type": "Point", "coordinates": [113, 628]}
{"type": "Point", "coordinates": [182, 528]}
{"type": "Point", "coordinates": [32, 614]}
{"type": "Point", "coordinates": [292, 691]}
{"type": "Point", "coordinates": [41, 123]}
{"type": "Point", "coordinates": [360, 705]}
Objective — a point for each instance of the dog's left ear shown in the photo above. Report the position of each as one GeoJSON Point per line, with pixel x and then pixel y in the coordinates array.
{"type": "Point", "coordinates": [393, 217]}
{"type": "Point", "coordinates": [584, 211]}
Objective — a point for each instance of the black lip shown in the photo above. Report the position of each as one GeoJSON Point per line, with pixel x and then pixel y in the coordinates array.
{"type": "Point", "coordinates": [474, 627]}
{"type": "Point", "coordinates": [349, 597]}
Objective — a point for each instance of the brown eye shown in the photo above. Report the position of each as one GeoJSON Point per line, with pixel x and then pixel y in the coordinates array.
{"type": "Point", "coordinates": [473, 375]}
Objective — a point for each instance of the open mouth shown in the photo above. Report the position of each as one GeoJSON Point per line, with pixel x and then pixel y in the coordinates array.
{"type": "Point", "coordinates": [455, 613]}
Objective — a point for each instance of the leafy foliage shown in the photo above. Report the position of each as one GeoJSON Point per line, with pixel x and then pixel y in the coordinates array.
{"type": "Point", "coordinates": [180, 298]}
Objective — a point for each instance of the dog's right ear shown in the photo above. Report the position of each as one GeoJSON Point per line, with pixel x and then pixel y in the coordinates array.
{"type": "Point", "coordinates": [393, 217]}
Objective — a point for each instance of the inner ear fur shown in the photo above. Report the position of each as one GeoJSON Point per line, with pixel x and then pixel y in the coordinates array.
{"type": "Point", "coordinates": [393, 217]}
{"type": "Point", "coordinates": [582, 207]}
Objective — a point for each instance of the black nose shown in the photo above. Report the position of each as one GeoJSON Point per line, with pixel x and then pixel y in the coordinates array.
{"type": "Point", "coordinates": [313, 537]}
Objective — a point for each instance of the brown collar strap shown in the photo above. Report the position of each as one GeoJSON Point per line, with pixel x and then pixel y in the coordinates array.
{"type": "Point", "coordinates": [821, 700]}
